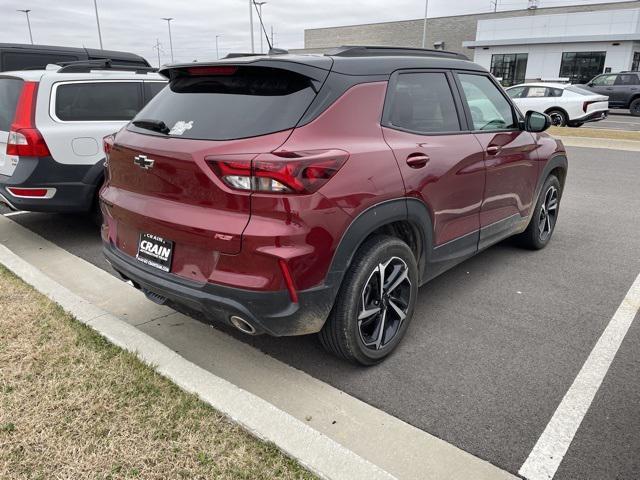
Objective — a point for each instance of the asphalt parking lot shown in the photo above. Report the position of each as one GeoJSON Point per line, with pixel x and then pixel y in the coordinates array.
{"type": "Point", "coordinates": [617, 120]}
{"type": "Point", "coordinates": [496, 342]}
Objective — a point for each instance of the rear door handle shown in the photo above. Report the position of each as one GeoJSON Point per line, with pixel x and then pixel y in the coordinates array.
{"type": "Point", "coordinates": [493, 150]}
{"type": "Point", "coordinates": [417, 160]}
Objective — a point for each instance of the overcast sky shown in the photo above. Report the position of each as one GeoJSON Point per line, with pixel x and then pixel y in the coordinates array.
{"type": "Point", "coordinates": [134, 25]}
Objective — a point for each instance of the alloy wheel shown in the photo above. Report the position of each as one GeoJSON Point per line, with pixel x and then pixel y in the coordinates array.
{"type": "Point", "coordinates": [557, 120]}
{"type": "Point", "coordinates": [548, 213]}
{"type": "Point", "coordinates": [385, 302]}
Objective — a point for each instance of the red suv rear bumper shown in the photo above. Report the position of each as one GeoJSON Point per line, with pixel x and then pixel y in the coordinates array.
{"type": "Point", "coordinates": [270, 312]}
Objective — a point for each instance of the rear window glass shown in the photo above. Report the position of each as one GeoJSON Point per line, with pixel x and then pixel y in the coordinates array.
{"type": "Point", "coordinates": [581, 91]}
{"type": "Point", "coordinates": [10, 89]}
{"type": "Point", "coordinates": [151, 89]}
{"type": "Point", "coordinates": [30, 61]}
{"type": "Point", "coordinates": [99, 101]}
{"type": "Point", "coordinates": [245, 102]}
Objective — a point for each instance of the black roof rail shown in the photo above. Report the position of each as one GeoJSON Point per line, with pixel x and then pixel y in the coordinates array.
{"type": "Point", "coordinates": [85, 66]}
{"type": "Point", "coordinates": [376, 51]}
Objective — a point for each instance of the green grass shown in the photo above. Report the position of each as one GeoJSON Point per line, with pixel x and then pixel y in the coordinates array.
{"type": "Point", "coordinates": [72, 405]}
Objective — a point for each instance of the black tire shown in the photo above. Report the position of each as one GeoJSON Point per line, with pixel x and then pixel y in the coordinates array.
{"type": "Point", "coordinates": [537, 235]}
{"type": "Point", "coordinates": [558, 117]}
{"type": "Point", "coordinates": [634, 108]}
{"type": "Point", "coordinates": [343, 334]}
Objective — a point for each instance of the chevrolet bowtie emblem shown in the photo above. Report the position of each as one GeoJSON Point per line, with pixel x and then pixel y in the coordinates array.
{"type": "Point", "coordinates": [143, 162]}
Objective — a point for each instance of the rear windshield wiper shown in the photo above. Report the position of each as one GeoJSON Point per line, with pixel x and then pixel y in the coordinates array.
{"type": "Point", "coordinates": [154, 125]}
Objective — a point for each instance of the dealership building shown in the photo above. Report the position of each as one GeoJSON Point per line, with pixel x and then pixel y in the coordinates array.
{"type": "Point", "coordinates": [571, 43]}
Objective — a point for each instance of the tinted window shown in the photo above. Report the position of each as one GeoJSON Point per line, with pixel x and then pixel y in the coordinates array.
{"type": "Point", "coordinates": [247, 102]}
{"type": "Point", "coordinates": [516, 92]}
{"type": "Point", "coordinates": [510, 68]}
{"type": "Point", "coordinates": [101, 101]}
{"type": "Point", "coordinates": [423, 102]}
{"type": "Point", "coordinates": [581, 91]}
{"type": "Point", "coordinates": [489, 109]}
{"type": "Point", "coordinates": [604, 80]}
{"type": "Point", "coordinates": [580, 67]}
{"type": "Point", "coordinates": [554, 92]}
{"type": "Point", "coordinates": [10, 89]}
{"type": "Point", "coordinates": [626, 79]}
{"type": "Point", "coordinates": [151, 89]}
{"type": "Point", "coordinates": [22, 60]}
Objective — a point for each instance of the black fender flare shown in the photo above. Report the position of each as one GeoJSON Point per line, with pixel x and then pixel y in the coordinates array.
{"type": "Point", "coordinates": [557, 160]}
{"type": "Point", "coordinates": [400, 209]}
{"type": "Point", "coordinates": [95, 175]}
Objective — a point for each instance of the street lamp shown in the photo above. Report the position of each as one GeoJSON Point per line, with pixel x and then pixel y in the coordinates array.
{"type": "Point", "coordinates": [424, 26]}
{"type": "Point", "coordinates": [259, 4]}
{"type": "Point", "coordinates": [168, 20]}
{"type": "Point", "coordinates": [26, 12]}
{"type": "Point", "coordinates": [253, 48]}
{"type": "Point", "coordinates": [217, 54]}
{"type": "Point", "coordinates": [95, 5]}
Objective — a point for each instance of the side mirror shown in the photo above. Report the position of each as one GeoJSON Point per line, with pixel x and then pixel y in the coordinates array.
{"type": "Point", "coordinates": [590, 84]}
{"type": "Point", "coordinates": [536, 122]}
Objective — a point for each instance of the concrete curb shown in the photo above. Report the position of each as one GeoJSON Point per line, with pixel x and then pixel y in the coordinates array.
{"type": "Point", "coordinates": [606, 143]}
{"type": "Point", "coordinates": [317, 452]}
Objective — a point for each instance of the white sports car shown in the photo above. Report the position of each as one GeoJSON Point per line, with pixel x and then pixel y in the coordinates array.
{"type": "Point", "coordinates": [565, 104]}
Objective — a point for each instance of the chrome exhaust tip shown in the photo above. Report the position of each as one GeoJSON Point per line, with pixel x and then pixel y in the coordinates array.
{"type": "Point", "coordinates": [242, 325]}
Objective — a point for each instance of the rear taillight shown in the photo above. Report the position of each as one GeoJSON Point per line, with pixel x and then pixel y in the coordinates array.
{"type": "Point", "coordinates": [24, 138]}
{"type": "Point", "coordinates": [107, 144]}
{"type": "Point", "coordinates": [585, 105]}
{"type": "Point", "coordinates": [280, 172]}
{"type": "Point", "coordinates": [215, 70]}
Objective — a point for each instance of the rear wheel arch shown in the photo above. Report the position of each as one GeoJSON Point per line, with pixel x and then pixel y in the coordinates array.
{"type": "Point", "coordinates": [559, 109]}
{"type": "Point", "coordinates": [405, 218]}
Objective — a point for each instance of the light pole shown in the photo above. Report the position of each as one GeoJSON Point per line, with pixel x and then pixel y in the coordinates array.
{"type": "Point", "coordinates": [168, 20]}
{"type": "Point", "coordinates": [217, 54]}
{"type": "Point", "coordinates": [26, 12]}
{"type": "Point", "coordinates": [95, 5]}
{"type": "Point", "coordinates": [424, 26]}
{"type": "Point", "coordinates": [259, 4]}
{"type": "Point", "coordinates": [253, 48]}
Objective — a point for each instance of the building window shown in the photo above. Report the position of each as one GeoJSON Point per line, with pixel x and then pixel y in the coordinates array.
{"type": "Point", "coordinates": [581, 67]}
{"type": "Point", "coordinates": [636, 61]}
{"type": "Point", "coordinates": [510, 68]}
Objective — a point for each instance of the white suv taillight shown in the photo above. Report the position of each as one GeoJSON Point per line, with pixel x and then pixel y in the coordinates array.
{"type": "Point", "coordinates": [24, 138]}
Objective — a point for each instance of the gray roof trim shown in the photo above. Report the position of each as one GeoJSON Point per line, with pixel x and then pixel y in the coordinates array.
{"type": "Point", "coordinates": [613, 37]}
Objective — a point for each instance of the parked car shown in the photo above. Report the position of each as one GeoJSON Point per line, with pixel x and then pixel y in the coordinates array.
{"type": "Point", "coordinates": [17, 56]}
{"type": "Point", "coordinates": [52, 123]}
{"type": "Point", "coordinates": [294, 194]}
{"type": "Point", "coordinates": [566, 104]}
{"type": "Point", "coordinates": [623, 90]}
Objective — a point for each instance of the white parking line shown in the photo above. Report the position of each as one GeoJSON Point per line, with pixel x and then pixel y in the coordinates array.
{"type": "Point", "coordinates": [12, 214]}
{"type": "Point", "coordinates": [551, 447]}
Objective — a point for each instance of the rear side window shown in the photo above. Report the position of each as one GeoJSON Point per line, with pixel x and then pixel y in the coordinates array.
{"type": "Point", "coordinates": [423, 103]}
{"type": "Point", "coordinates": [25, 60]}
{"type": "Point", "coordinates": [225, 103]}
{"type": "Point", "coordinates": [98, 101]}
{"type": "Point", "coordinates": [489, 109]}
{"type": "Point", "coordinates": [627, 79]}
{"type": "Point", "coordinates": [10, 89]}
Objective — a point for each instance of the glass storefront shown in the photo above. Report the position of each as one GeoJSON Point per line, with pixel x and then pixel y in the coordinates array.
{"type": "Point", "coordinates": [580, 67]}
{"type": "Point", "coordinates": [511, 68]}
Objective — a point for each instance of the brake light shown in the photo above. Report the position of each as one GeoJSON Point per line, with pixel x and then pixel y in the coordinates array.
{"type": "Point", "coordinates": [219, 70]}
{"type": "Point", "coordinates": [24, 138]}
{"type": "Point", "coordinates": [107, 144]}
{"type": "Point", "coordinates": [585, 105]}
{"type": "Point", "coordinates": [281, 172]}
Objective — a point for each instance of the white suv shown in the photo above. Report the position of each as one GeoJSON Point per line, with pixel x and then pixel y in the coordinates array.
{"type": "Point", "coordinates": [52, 125]}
